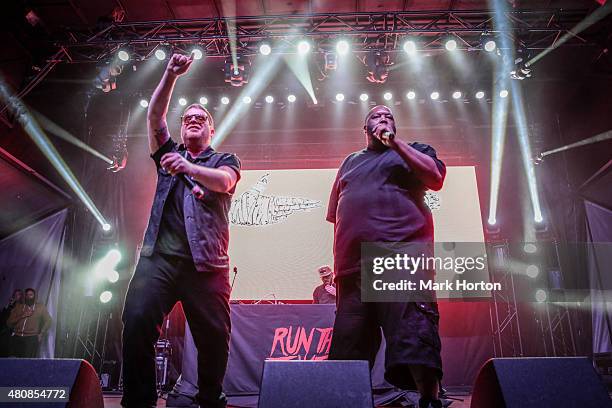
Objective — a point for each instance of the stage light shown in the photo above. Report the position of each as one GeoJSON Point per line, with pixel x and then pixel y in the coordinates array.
{"type": "Point", "coordinates": [237, 74]}
{"type": "Point", "coordinates": [342, 47]}
{"type": "Point", "coordinates": [225, 100]}
{"type": "Point", "coordinates": [363, 97]}
{"type": "Point", "coordinates": [265, 49]}
{"type": "Point", "coordinates": [450, 45]}
{"type": "Point", "coordinates": [114, 256]}
{"type": "Point", "coordinates": [106, 296]}
{"type": "Point", "coordinates": [269, 99]}
{"type": "Point", "coordinates": [106, 265]}
{"type": "Point", "coordinates": [106, 78]}
{"type": "Point", "coordinates": [434, 95]}
{"type": "Point", "coordinates": [203, 100]}
{"type": "Point", "coordinates": [377, 62]}
{"type": "Point", "coordinates": [410, 47]}
{"type": "Point", "coordinates": [490, 45]}
{"type": "Point", "coordinates": [303, 47]}
{"type": "Point", "coordinates": [106, 227]}
{"type": "Point", "coordinates": [541, 295]}
{"type": "Point", "coordinates": [182, 101]}
{"type": "Point", "coordinates": [388, 96]}
{"type": "Point", "coordinates": [339, 97]}
{"type": "Point", "coordinates": [197, 54]}
{"type": "Point", "coordinates": [456, 95]}
{"type": "Point", "coordinates": [331, 63]}
{"type": "Point", "coordinates": [480, 95]}
{"type": "Point", "coordinates": [160, 54]}
{"type": "Point", "coordinates": [532, 271]}
{"type": "Point", "coordinates": [503, 93]}
{"type": "Point", "coordinates": [144, 103]}
{"type": "Point", "coordinates": [530, 248]}
{"type": "Point", "coordinates": [247, 99]}
{"type": "Point", "coordinates": [411, 95]}
{"type": "Point", "coordinates": [113, 276]}
{"type": "Point", "coordinates": [291, 98]}
{"type": "Point", "coordinates": [123, 55]}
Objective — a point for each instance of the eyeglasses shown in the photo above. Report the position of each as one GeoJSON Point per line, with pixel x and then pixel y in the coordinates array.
{"type": "Point", "coordinates": [199, 119]}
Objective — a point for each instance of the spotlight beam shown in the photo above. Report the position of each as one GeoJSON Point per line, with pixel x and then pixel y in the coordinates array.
{"type": "Point", "coordinates": [523, 137]}
{"type": "Point", "coordinates": [500, 114]}
{"type": "Point", "coordinates": [229, 10]}
{"type": "Point", "coordinates": [38, 136]}
{"type": "Point", "coordinates": [63, 134]}
{"type": "Point", "coordinates": [588, 21]}
{"type": "Point", "coordinates": [498, 134]}
{"type": "Point", "coordinates": [593, 139]}
{"type": "Point", "coordinates": [254, 88]}
{"type": "Point", "coordinates": [299, 67]}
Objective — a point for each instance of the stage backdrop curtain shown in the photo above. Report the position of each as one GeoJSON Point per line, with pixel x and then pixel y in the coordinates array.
{"type": "Point", "coordinates": [599, 226]}
{"type": "Point", "coordinates": [32, 258]}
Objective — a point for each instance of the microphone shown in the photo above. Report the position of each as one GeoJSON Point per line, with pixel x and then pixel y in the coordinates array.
{"type": "Point", "coordinates": [234, 279]}
{"type": "Point", "coordinates": [388, 135]}
{"type": "Point", "coordinates": [193, 187]}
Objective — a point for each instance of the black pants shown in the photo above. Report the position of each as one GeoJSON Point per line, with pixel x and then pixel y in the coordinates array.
{"type": "Point", "coordinates": [158, 283]}
{"type": "Point", "coordinates": [410, 330]}
{"type": "Point", "coordinates": [24, 346]}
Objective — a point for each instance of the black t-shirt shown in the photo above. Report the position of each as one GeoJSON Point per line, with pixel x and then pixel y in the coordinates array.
{"type": "Point", "coordinates": [377, 198]}
{"type": "Point", "coordinates": [172, 238]}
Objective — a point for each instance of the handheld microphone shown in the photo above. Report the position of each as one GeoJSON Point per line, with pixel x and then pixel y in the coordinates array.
{"type": "Point", "coordinates": [193, 187]}
{"type": "Point", "coordinates": [388, 135]}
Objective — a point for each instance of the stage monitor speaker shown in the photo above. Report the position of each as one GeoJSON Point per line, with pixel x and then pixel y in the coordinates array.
{"type": "Point", "coordinates": [316, 384]}
{"type": "Point", "coordinates": [539, 382]}
{"type": "Point", "coordinates": [77, 375]}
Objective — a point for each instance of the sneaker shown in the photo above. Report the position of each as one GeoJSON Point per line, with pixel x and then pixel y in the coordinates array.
{"type": "Point", "coordinates": [181, 401]}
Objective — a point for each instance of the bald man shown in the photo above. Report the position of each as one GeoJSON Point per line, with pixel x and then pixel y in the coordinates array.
{"type": "Point", "coordinates": [378, 196]}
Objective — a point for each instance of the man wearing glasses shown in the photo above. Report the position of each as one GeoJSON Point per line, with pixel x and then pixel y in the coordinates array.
{"type": "Point", "coordinates": [184, 254]}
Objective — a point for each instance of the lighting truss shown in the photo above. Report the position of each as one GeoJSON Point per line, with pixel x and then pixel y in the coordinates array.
{"type": "Point", "coordinates": [533, 29]}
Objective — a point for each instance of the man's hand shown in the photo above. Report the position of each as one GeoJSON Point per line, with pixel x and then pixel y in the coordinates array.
{"type": "Point", "coordinates": [175, 164]}
{"type": "Point", "coordinates": [179, 64]}
{"type": "Point", "coordinates": [330, 289]}
{"type": "Point", "coordinates": [381, 133]}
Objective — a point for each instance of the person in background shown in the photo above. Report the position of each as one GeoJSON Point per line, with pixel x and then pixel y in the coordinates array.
{"type": "Point", "coordinates": [326, 291]}
{"type": "Point", "coordinates": [30, 322]}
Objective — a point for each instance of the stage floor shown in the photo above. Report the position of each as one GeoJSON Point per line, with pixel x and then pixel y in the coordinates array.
{"type": "Point", "coordinates": [114, 401]}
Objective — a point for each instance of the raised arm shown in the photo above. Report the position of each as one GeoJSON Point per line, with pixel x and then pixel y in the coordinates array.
{"type": "Point", "coordinates": [158, 106]}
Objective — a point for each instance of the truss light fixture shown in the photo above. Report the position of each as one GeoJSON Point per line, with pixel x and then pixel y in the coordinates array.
{"type": "Point", "coordinates": [237, 74]}
{"type": "Point", "coordinates": [377, 62]}
{"type": "Point", "coordinates": [342, 47]}
{"type": "Point", "coordinates": [265, 49]}
{"type": "Point", "coordinates": [410, 47]}
{"type": "Point", "coordinates": [303, 47]}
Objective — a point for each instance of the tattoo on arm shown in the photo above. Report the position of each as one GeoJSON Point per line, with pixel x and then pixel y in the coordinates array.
{"type": "Point", "coordinates": [161, 134]}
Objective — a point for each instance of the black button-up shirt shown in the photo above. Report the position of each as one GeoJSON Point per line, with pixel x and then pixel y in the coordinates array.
{"type": "Point", "coordinates": [206, 219]}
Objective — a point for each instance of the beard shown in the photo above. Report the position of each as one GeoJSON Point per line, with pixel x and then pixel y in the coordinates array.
{"type": "Point", "coordinates": [30, 302]}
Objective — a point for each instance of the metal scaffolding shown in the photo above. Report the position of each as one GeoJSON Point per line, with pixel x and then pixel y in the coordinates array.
{"type": "Point", "coordinates": [530, 29]}
{"type": "Point", "coordinates": [505, 322]}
